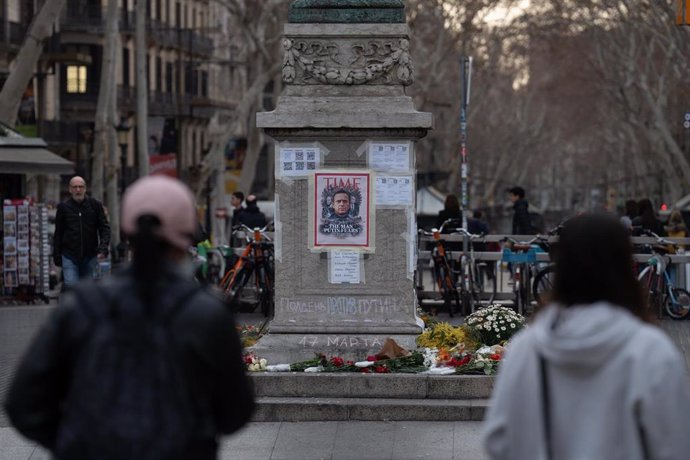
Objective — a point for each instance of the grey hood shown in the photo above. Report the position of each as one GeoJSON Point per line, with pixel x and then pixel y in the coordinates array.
{"type": "Point", "coordinates": [583, 335]}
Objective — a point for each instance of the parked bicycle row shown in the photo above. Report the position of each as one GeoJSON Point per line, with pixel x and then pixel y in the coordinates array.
{"type": "Point", "coordinates": [245, 275]}
{"type": "Point", "coordinates": [455, 276]}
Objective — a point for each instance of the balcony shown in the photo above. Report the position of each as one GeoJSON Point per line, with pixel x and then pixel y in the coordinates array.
{"type": "Point", "coordinates": [161, 103]}
{"type": "Point", "coordinates": [90, 19]}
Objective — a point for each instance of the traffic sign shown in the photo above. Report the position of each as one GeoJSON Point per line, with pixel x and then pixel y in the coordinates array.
{"type": "Point", "coordinates": [686, 124]}
{"type": "Point", "coordinates": [686, 117]}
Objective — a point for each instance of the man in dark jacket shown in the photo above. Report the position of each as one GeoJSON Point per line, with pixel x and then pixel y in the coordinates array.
{"type": "Point", "coordinates": [251, 216]}
{"type": "Point", "coordinates": [82, 234]}
{"type": "Point", "coordinates": [521, 224]}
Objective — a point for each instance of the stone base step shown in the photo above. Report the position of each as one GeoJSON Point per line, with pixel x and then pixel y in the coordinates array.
{"type": "Point", "coordinates": [277, 409]}
{"type": "Point", "coordinates": [359, 385]}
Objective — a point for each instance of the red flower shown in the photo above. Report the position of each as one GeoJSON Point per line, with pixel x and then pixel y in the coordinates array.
{"type": "Point", "coordinates": [365, 370]}
{"type": "Point", "coordinates": [247, 359]}
{"type": "Point", "coordinates": [495, 357]}
{"type": "Point", "coordinates": [371, 358]}
{"type": "Point", "coordinates": [351, 363]}
{"type": "Point", "coordinates": [381, 370]}
{"type": "Point", "coordinates": [455, 362]}
{"type": "Point", "coordinates": [337, 361]}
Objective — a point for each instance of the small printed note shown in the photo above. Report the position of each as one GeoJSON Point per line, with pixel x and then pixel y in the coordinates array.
{"type": "Point", "coordinates": [344, 267]}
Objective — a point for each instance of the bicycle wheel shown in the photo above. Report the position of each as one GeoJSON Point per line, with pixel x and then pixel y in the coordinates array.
{"type": "Point", "coordinates": [265, 292]}
{"type": "Point", "coordinates": [648, 280]}
{"type": "Point", "coordinates": [448, 290]}
{"type": "Point", "coordinates": [543, 283]}
{"type": "Point", "coordinates": [677, 303]}
{"type": "Point", "coordinates": [234, 291]}
{"type": "Point", "coordinates": [224, 283]}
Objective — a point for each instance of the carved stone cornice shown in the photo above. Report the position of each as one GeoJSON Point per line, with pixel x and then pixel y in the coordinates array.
{"type": "Point", "coordinates": [380, 61]}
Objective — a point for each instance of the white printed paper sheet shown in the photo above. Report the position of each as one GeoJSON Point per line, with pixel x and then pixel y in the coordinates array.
{"type": "Point", "coordinates": [298, 161]}
{"type": "Point", "coordinates": [393, 157]}
{"type": "Point", "coordinates": [394, 191]}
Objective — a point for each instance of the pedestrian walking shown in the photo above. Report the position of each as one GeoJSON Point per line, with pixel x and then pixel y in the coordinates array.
{"type": "Point", "coordinates": [236, 200]}
{"type": "Point", "coordinates": [521, 222]}
{"type": "Point", "coordinates": [143, 365]}
{"type": "Point", "coordinates": [631, 212]}
{"type": "Point", "coordinates": [591, 378]}
{"type": "Point", "coordinates": [647, 219]}
{"type": "Point", "coordinates": [82, 234]}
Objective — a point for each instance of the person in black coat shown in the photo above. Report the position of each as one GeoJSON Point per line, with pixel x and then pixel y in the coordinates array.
{"type": "Point", "coordinates": [521, 223]}
{"type": "Point", "coordinates": [82, 234]}
{"type": "Point", "coordinates": [251, 216]}
{"type": "Point", "coordinates": [67, 374]}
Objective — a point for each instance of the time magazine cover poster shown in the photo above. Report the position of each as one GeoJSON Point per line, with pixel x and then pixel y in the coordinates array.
{"type": "Point", "coordinates": [341, 210]}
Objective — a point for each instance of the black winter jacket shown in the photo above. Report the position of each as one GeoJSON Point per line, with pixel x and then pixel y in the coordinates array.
{"type": "Point", "coordinates": [81, 230]}
{"type": "Point", "coordinates": [252, 217]}
{"type": "Point", "coordinates": [521, 224]}
{"type": "Point", "coordinates": [205, 335]}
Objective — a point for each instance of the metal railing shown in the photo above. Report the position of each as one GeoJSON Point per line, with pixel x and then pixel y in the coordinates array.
{"type": "Point", "coordinates": [426, 289]}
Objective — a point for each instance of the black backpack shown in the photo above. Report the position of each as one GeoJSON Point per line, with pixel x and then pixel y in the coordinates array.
{"type": "Point", "coordinates": [129, 398]}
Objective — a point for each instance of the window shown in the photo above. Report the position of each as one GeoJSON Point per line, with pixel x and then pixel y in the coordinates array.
{"type": "Point", "coordinates": [169, 78]}
{"type": "Point", "coordinates": [125, 67]}
{"type": "Point", "coordinates": [76, 79]}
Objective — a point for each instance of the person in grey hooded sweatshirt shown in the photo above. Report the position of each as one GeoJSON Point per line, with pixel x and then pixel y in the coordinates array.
{"type": "Point", "coordinates": [591, 377]}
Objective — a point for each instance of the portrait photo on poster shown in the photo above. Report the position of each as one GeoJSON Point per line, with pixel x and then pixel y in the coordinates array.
{"type": "Point", "coordinates": [341, 209]}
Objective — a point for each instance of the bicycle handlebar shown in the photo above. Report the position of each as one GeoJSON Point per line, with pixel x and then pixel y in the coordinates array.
{"type": "Point", "coordinates": [243, 227]}
{"type": "Point", "coordinates": [659, 239]}
{"type": "Point", "coordinates": [523, 243]}
{"type": "Point", "coordinates": [473, 236]}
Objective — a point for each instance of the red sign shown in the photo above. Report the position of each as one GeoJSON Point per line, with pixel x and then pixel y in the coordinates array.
{"type": "Point", "coordinates": [163, 164]}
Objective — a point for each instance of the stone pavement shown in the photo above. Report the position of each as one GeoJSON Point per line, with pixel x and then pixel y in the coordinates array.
{"type": "Point", "coordinates": [322, 440]}
{"type": "Point", "coordinates": [286, 440]}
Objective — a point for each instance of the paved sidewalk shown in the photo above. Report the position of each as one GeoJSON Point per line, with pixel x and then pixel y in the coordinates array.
{"type": "Point", "coordinates": [322, 440]}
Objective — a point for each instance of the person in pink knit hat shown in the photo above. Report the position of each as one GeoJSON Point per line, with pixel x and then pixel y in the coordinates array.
{"type": "Point", "coordinates": [144, 364]}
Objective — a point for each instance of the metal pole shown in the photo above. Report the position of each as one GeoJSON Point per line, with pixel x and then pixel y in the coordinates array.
{"type": "Point", "coordinates": [466, 64]}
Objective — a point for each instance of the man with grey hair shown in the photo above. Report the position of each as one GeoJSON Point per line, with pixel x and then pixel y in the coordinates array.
{"type": "Point", "coordinates": [82, 234]}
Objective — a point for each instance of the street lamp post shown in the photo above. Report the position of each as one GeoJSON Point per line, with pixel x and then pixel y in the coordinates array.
{"type": "Point", "coordinates": [123, 140]}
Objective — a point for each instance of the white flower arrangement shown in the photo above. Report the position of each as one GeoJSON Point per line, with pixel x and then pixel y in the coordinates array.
{"type": "Point", "coordinates": [495, 324]}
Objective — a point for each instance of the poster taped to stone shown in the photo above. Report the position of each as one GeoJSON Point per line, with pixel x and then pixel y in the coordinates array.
{"type": "Point", "coordinates": [344, 267]}
{"type": "Point", "coordinates": [341, 210]}
{"type": "Point", "coordinates": [393, 157]}
{"type": "Point", "coordinates": [298, 161]}
{"type": "Point", "coordinates": [394, 190]}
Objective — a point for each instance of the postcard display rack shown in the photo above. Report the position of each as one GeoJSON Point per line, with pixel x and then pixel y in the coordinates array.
{"type": "Point", "coordinates": [26, 250]}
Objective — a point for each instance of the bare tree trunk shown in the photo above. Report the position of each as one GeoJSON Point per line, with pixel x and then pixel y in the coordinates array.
{"type": "Point", "coordinates": [112, 176]}
{"type": "Point", "coordinates": [25, 62]}
{"type": "Point", "coordinates": [107, 83]}
{"type": "Point", "coordinates": [113, 170]}
{"type": "Point", "coordinates": [142, 90]}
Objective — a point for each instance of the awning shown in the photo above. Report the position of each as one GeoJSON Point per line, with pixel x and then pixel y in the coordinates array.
{"type": "Point", "coordinates": [32, 160]}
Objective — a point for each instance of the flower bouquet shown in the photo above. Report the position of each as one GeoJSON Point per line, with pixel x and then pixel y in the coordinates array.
{"type": "Point", "coordinates": [249, 334]}
{"type": "Point", "coordinates": [443, 335]}
{"type": "Point", "coordinates": [494, 324]}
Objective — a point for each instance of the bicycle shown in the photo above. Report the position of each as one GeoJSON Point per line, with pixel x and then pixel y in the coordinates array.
{"type": "Point", "coordinates": [443, 274]}
{"type": "Point", "coordinates": [472, 277]}
{"type": "Point", "coordinates": [544, 277]}
{"type": "Point", "coordinates": [256, 259]}
{"type": "Point", "coordinates": [522, 255]}
{"type": "Point", "coordinates": [658, 284]}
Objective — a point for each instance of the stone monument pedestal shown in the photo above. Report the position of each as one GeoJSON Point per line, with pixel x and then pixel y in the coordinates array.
{"type": "Point", "coordinates": [345, 132]}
